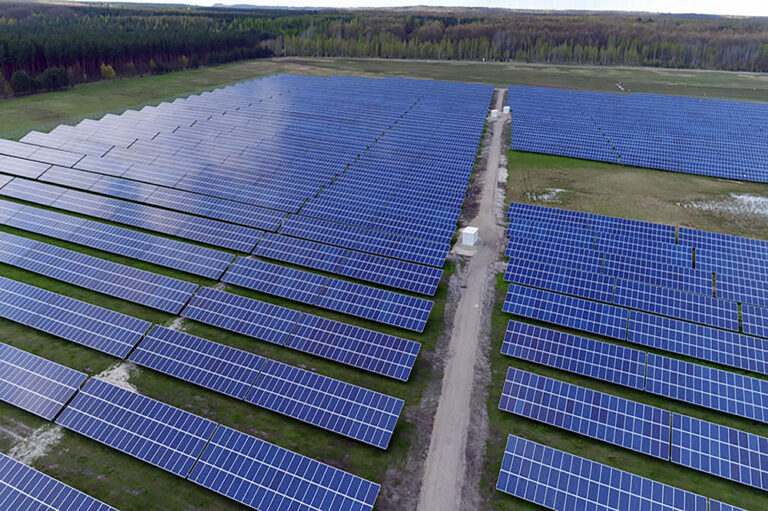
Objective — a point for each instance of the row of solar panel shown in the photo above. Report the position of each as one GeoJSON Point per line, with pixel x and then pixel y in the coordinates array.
{"type": "Point", "coordinates": [172, 439]}
{"type": "Point", "coordinates": [561, 481]}
{"type": "Point", "coordinates": [350, 298]}
{"type": "Point", "coordinates": [347, 344]}
{"type": "Point", "coordinates": [617, 125]}
{"type": "Point", "coordinates": [692, 307]}
{"type": "Point", "coordinates": [342, 408]}
{"type": "Point", "coordinates": [705, 446]}
{"type": "Point", "coordinates": [212, 263]}
{"type": "Point", "coordinates": [641, 251]}
{"type": "Point", "coordinates": [704, 386]}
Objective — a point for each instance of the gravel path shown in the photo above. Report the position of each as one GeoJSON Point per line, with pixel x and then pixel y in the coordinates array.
{"type": "Point", "coordinates": [445, 467]}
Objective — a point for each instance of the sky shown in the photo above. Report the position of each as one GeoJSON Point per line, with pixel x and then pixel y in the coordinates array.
{"type": "Point", "coordinates": [732, 7]}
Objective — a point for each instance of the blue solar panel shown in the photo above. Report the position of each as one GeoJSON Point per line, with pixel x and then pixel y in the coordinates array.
{"type": "Point", "coordinates": [375, 304]}
{"type": "Point", "coordinates": [204, 230]}
{"type": "Point", "coordinates": [391, 272]}
{"type": "Point", "coordinates": [324, 402]}
{"type": "Point", "coordinates": [246, 316]}
{"type": "Point", "coordinates": [707, 387]}
{"type": "Point", "coordinates": [580, 355]}
{"type": "Point", "coordinates": [679, 134]}
{"type": "Point", "coordinates": [365, 349]}
{"type": "Point", "coordinates": [557, 480]}
{"type": "Point", "coordinates": [300, 252]}
{"type": "Point", "coordinates": [23, 488]}
{"type": "Point", "coordinates": [35, 384]}
{"type": "Point", "coordinates": [141, 427]}
{"type": "Point", "coordinates": [611, 419]}
{"type": "Point", "coordinates": [267, 477]}
{"type": "Point", "coordinates": [273, 279]}
{"type": "Point", "coordinates": [200, 361]}
{"type": "Point", "coordinates": [742, 289]}
{"type": "Point", "coordinates": [70, 319]}
{"type": "Point", "coordinates": [567, 311]}
{"type": "Point", "coordinates": [721, 451]}
{"type": "Point", "coordinates": [347, 297]}
{"type": "Point", "coordinates": [345, 409]}
{"type": "Point", "coordinates": [698, 341]}
{"type": "Point", "coordinates": [113, 279]}
{"type": "Point", "coordinates": [568, 281]}
{"type": "Point", "coordinates": [117, 240]}
{"type": "Point", "coordinates": [754, 320]}
{"type": "Point", "coordinates": [715, 505]}
{"type": "Point", "coordinates": [678, 304]}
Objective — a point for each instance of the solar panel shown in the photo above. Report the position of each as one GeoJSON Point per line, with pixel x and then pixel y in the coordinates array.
{"type": "Point", "coordinates": [24, 168]}
{"type": "Point", "coordinates": [346, 297]}
{"type": "Point", "coordinates": [754, 320]}
{"type": "Point", "coordinates": [719, 450]}
{"type": "Point", "coordinates": [558, 480]}
{"type": "Point", "coordinates": [378, 305]}
{"type": "Point", "coordinates": [714, 505]}
{"type": "Point", "coordinates": [113, 279]}
{"type": "Point", "coordinates": [707, 387]}
{"type": "Point", "coordinates": [678, 304]}
{"type": "Point", "coordinates": [358, 347]}
{"type": "Point", "coordinates": [273, 279]}
{"type": "Point", "coordinates": [604, 417]}
{"type": "Point", "coordinates": [159, 434]}
{"type": "Point", "coordinates": [330, 404]}
{"type": "Point", "coordinates": [267, 477]}
{"type": "Point", "coordinates": [24, 488]}
{"type": "Point", "coordinates": [35, 384]}
{"type": "Point", "coordinates": [699, 341]}
{"type": "Point", "coordinates": [580, 355]}
{"type": "Point", "coordinates": [350, 263]}
{"type": "Point", "coordinates": [200, 361]}
{"type": "Point", "coordinates": [182, 225]}
{"type": "Point", "coordinates": [117, 240]}
{"type": "Point", "coordinates": [567, 311]}
{"type": "Point", "coordinates": [569, 281]}
{"type": "Point", "coordinates": [70, 319]}
{"type": "Point", "coordinates": [246, 316]}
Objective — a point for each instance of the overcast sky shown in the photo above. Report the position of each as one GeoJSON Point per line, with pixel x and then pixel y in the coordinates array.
{"type": "Point", "coordinates": [735, 7]}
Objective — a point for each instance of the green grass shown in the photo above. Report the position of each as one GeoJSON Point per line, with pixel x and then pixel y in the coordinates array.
{"type": "Point", "coordinates": [45, 111]}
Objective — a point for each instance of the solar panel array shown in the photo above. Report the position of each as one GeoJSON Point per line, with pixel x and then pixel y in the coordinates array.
{"type": "Point", "coordinates": [719, 450]}
{"type": "Point", "coordinates": [347, 297]}
{"type": "Point", "coordinates": [557, 480]}
{"type": "Point", "coordinates": [98, 328]}
{"type": "Point", "coordinates": [652, 286]}
{"type": "Point", "coordinates": [608, 418]}
{"type": "Point", "coordinates": [149, 430]}
{"type": "Point", "coordinates": [35, 384]}
{"type": "Point", "coordinates": [144, 247]}
{"type": "Point", "coordinates": [680, 134]}
{"type": "Point", "coordinates": [239, 466]}
{"type": "Point", "coordinates": [288, 168]}
{"type": "Point", "coordinates": [22, 487]}
{"type": "Point", "coordinates": [241, 155]}
{"type": "Point", "coordinates": [347, 344]}
{"type": "Point", "coordinates": [118, 280]}
{"type": "Point", "coordinates": [339, 407]}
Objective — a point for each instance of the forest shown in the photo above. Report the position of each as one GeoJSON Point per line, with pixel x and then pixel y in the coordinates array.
{"type": "Point", "coordinates": [52, 46]}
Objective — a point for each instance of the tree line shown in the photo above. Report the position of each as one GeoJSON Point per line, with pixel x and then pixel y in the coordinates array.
{"type": "Point", "coordinates": [46, 47]}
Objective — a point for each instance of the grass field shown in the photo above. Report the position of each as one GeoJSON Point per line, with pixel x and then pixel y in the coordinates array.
{"type": "Point", "coordinates": [44, 112]}
{"type": "Point", "coordinates": [631, 193]}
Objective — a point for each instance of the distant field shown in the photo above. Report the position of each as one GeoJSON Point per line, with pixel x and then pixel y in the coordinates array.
{"type": "Point", "coordinates": [45, 111]}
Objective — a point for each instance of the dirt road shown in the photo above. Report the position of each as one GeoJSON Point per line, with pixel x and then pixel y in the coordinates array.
{"type": "Point", "coordinates": [445, 466]}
